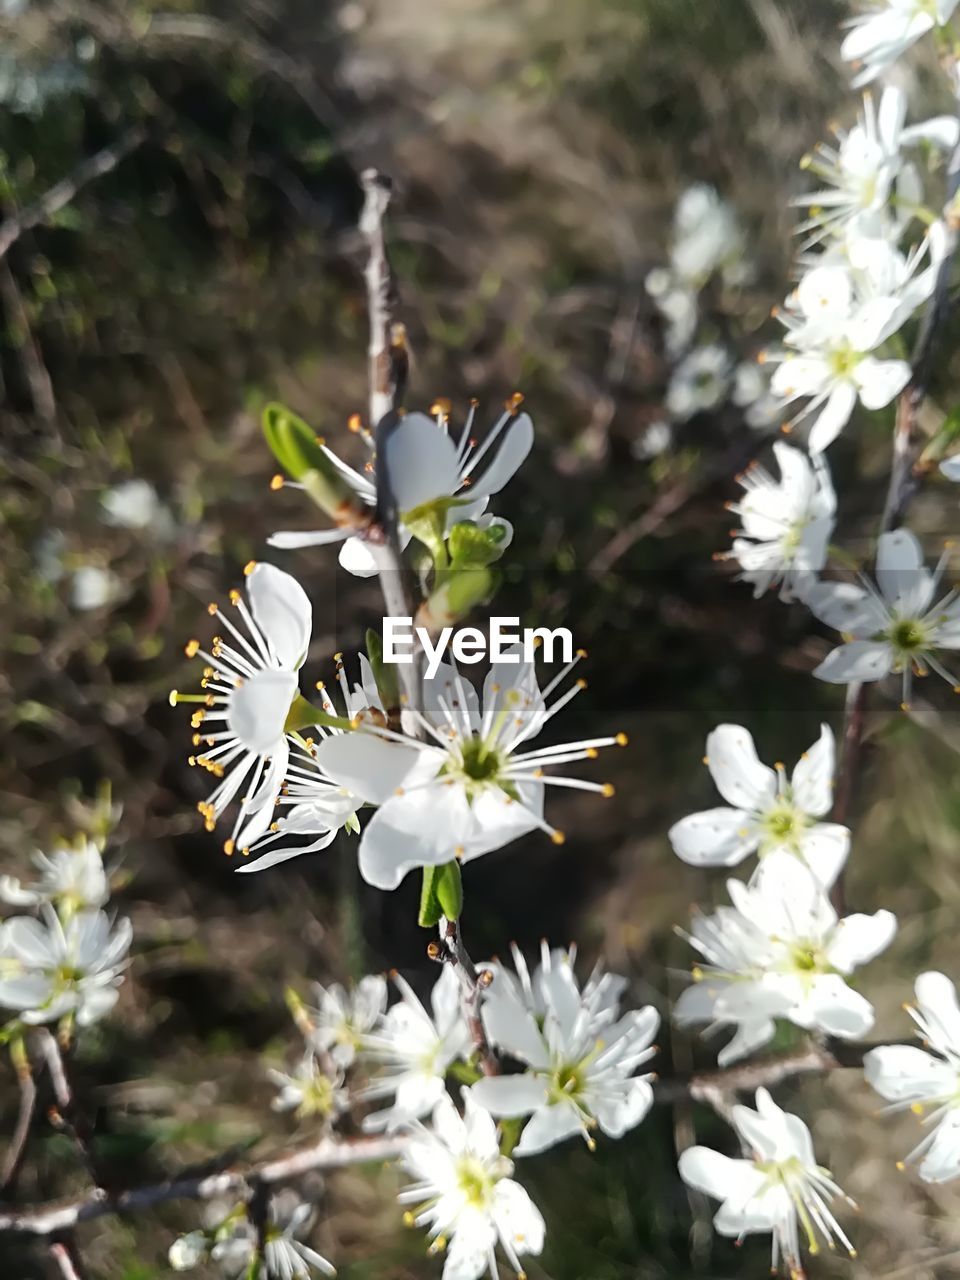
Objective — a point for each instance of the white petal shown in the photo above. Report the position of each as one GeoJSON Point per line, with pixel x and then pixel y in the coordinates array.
{"type": "Point", "coordinates": [718, 1175]}
{"type": "Point", "coordinates": [833, 417]}
{"type": "Point", "coordinates": [812, 780]}
{"type": "Point", "coordinates": [714, 838]}
{"type": "Point", "coordinates": [282, 611]}
{"type": "Point", "coordinates": [738, 773]}
{"type": "Point", "coordinates": [291, 540]}
{"type": "Point", "coordinates": [370, 766]}
{"type": "Point", "coordinates": [422, 828]}
{"type": "Point", "coordinates": [547, 1127]}
{"type": "Point", "coordinates": [421, 462]}
{"type": "Point", "coordinates": [510, 453]}
{"type": "Point", "coordinates": [858, 938]}
{"type": "Point", "coordinates": [879, 381]}
{"type": "Point", "coordinates": [468, 1254]}
{"type": "Point", "coordinates": [511, 1026]}
{"type": "Point", "coordinates": [858, 661]}
{"type": "Point", "coordinates": [357, 558]}
{"type": "Point", "coordinates": [510, 1095]}
{"type": "Point", "coordinates": [903, 1073]}
{"type": "Point", "coordinates": [834, 1007]}
{"type": "Point", "coordinates": [617, 1115]}
{"type": "Point", "coordinates": [937, 998]}
{"type": "Point", "coordinates": [257, 711]}
{"type": "Point", "coordinates": [517, 1218]}
{"type": "Point", "coordinates": [942, 1161]}
{"type": "Point", "coordinates": [950, 467]}
{"type": "Point", "coordinates": [846, 607]}
{"type": "Point", "coordinates": [899, 564]}
{"type": "Point", "coordinates": [825, 848]}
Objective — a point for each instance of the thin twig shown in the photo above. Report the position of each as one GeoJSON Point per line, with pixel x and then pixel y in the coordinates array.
{"type": "Point", "coordinates": [388, 365]}
{"type": "Point", "coordinates": [67, 1115]}
{"type": "Point", "coordinates": [472, 985]}
{"type": "Point", "coordinates": [57, 1217]}
{"type": "Point", "coordinates": [62, 192]}
{"type": "Point", "coordinates": [34, 370]}
{"type": "Point", "coordinates": [66, 1260]}
{"type": "Point", "coordinates": [25, 1114]}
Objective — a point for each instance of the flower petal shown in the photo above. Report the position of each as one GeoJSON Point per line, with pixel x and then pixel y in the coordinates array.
{"type": "Point", "coordinates": [282, 611]}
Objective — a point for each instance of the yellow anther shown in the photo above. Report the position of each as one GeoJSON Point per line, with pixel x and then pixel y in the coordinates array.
{"type": "Point", "coordinates": [191, 648]}
{"type": "Point", "coordinates": [696, 974]}
{"type": "Point", "coordinates": [173, 698]}
{"type": "Point", "coordinates": [276, 482]}
{"type": "Point", "coordinates": [355, 422]}
{"type": "Point", "coordinates": [581, 683]}
{"type": "Point", "coordinates": [591, 753]}
{"type": "Point", "coordinates": [621, 739]}
{"type": "Point", "coordinates": [228, 847]}
{"type": "Point", "coordinates": [441, 405]}
{"type": "Point", "coordinates": [608, 789]}
{"type": "Point", "coordinates": [558, 837]}
{"type": "Point", "coordinates": [234, 596]}
{"type": "Point", "coordinates": [249, 567]}
{"type": "Point", "coordinates": [514, 403]}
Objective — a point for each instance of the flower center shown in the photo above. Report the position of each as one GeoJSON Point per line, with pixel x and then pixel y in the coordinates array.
{"type": "Point", "coordinates": [783, 824]}
{"type": "Point", "coordinates": [318, 1097]}
{"type": "Point", "coordinates": [567, 1081]}
{"type": "Point", "coordinates": [843, 361]}
{"type": "Point", "coordinates": [475, 1182]}
{"type": "Point", "coordinates": [908, 635]}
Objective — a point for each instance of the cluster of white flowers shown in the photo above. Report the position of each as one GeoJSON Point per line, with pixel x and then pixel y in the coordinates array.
{"type": "Point", "coordinates": [872, 256]}
{"type": "Point", "coordinates": [708, 245]}
{"type": "Point", "coordinates": [502, 1063]}
{"type": "Point", "coordinates": [67, 962]}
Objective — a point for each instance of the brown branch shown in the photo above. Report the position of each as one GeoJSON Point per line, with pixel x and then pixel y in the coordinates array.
{"type": "Point", "coordinates": [56, 1217]}
{"type": "Point", "coordinates": [67, 1115]}
{"type": "Point", "coordinates": [34, 370]}
{"type": "Point", "coordinates": [66, 1259]}
{"type": "Point", "coordinates": [62, 192]}
{"type": "Point", "coordinates": [472, 985]}
{"type": "Point", "coordinates": [716, 1088]}
{"type": "Point", "coordinates": [18, 1143]}
{"type": "Point", "coordinates": [387, 363]}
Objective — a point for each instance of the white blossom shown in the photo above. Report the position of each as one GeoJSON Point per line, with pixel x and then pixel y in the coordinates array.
{"type": "Point", "coordinates": [751, 392]}
{"type": "Point", "coordinates": [780, 1189]}
{"type": "Point", "coordinates": [429, 470]}
{"type": "Point", "coordinates": [834, 323]}
{"type": "Point", "coordinates": [53, 968]}
{"type": "Point", "coordinates": [415, 1050]}
{"type": "Point", "coordinates": [189, 1250]}
{"type": "Point", "coordinates": [308, 1090]}
{"type": "Point", "coordinates": [895, 627]}
{"type": "Point", "coordinates": [767, 813]}
{"type": "Point", "coordinates": [342, 1018]}
{"type": "Point", "coordinates": [284, 1256]}
{"type": "Point", "coordinates": [887, 29]}
{"type": "Point", "coordinates": [699, 383]}
{"type": "Point", "coordinates": [250, 685]}
{"type": "Point", "coordinates": [780, 952]}
{"type": "Point", "coordinates": [706, 238]}
{"type": "Point", "coordinates": [464, 1194]}
{"type": "Point", "coordinates": [926, 1083]}
{"type": "Point", "coordinates": [786, 523]}
{"type": "Point", "coordinates": [581, 1055]}
{"type": "Point", "coordinates": [869, 184]}
{"type": "Point", "coordinates": [71, 878]}
{"type": "Point", "coordinates": [467, 787]}
{"type": "Point", "coordinates": [134, 504]}
{"type": "Point", "coordinates": [312, 806]}
{"type": "Point", "coordinates": [93, 587]}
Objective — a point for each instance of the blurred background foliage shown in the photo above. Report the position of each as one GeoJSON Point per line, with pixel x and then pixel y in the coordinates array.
{"type": "Point", "coordinates": [538, 148]}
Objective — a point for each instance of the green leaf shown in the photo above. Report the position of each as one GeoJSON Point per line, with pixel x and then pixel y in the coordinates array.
{"type": "Point", "coordinates": [300, 452]}
{"type": "Point", "coordinates": [441, 894]}
{"type": "Point", "coordinates": [385, 673]}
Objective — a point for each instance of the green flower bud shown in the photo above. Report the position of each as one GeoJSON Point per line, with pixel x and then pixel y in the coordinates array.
{"type": "Point", "coordinates": [299, 451]}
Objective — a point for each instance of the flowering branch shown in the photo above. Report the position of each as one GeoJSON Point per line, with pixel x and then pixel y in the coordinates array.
{"type": "Point", "coordinates": [56, 1217]}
